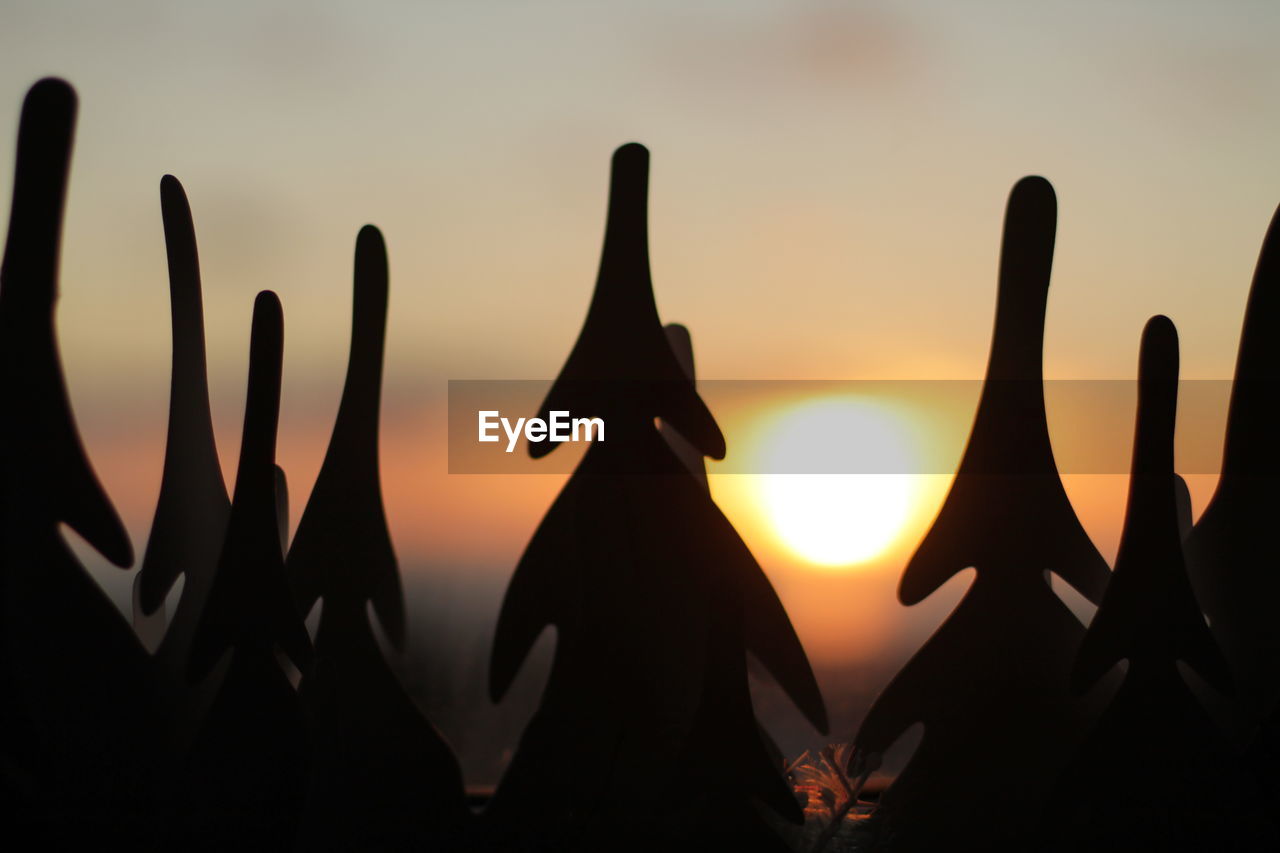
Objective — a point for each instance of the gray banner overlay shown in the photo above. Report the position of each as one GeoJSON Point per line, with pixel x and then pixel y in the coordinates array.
{"type": "Point", "coordinates": [912, 427]}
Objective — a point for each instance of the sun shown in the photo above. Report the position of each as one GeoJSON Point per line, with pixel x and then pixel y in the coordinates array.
{"type": "Point", "coordinates": [837, 519]}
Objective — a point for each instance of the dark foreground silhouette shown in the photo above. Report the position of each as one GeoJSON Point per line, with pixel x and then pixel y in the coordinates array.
{"type": "Point", "coordinates": [654, 597]}
{"type": "Point", "coordinates": [75, 688]}
{"type": "Point", "coordinates": [1227, 551]}
{"type": "Point", "coordinates": [191, 513]}
{"type": "Point", "coordinates": [237, 733]}
{"type": "Point", "coordinates": [1155, 772]}
{"type": "Point", "coordinates": [990, 686]}
{"type": "Point", "coordinates": [383, 778]}
{"type": "Point", "coordinates": [246, 772]}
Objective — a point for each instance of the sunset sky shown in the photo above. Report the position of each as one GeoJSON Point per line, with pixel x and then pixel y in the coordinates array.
{"type": "Point", "coordinates": [828, 181]}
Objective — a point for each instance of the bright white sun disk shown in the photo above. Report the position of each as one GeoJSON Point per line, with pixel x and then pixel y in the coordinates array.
{"type": "Point", "coordinates": [839, 518]}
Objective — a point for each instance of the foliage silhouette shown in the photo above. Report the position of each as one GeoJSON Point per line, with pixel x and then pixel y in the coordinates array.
{"type": "Point", "coordinates": [1237, 586]}
{"type": "Point", "coordinates": [990, 685]}
{"type": "Point", "coordinates": [150, 627]}
{"type": "Point", "coordinates": [1139, 781]}
{"type": "Point", "coordinates": [801, 690]}
{"type": "Point", "coordinates": [681, 344]}
{"type": "Point", "coordinates": [383, 777]}
{"type": "Point", "coordinates": [75, 703]}
{"type": "Point", "coordinates": [653, 596]}
{"type": "Point", "coordinates": [247, 770]}
{"type": "Point", "coordinates": [645, 736]}
{"type": "Point", "coordinates": [723, 720]}
{"type": "Point", "coordinates": [191, 513]}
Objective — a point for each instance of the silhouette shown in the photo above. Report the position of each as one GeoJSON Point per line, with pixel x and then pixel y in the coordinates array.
{"type": "Point", "coordinates": [247, 770]}
{"type": "Point", "coordinates": [1236, 584]}
{"type": "Point", "coordinates": [383, 777]}
{"type": "Point", "coordinates": [682, 348]}
{"type": "Point", "coordinates": [724, 695]}
{"type": "Point", "coordinates": [1264, 755]}
{"type": "Point", "coordinates": [282, 510]}
{"type": "Point", "coordinates": [149, 627]}
{"type": "Point", "coordinates": [1037, 733]}
{"type": "Point", "coordinates": [1155, 773]}
{"type": "Point", "coordinates": [645, 734]}
{"type": "Point", "coordinates": [1182, 497]}
{"type": "Point", "coordinates": [282, 528]}
{"type": "Point", "coordinates": [990, 686]}
{"type": "Point", "coordinates": [191, 512]}
{"type": "Point", "coordinates": [75, 708]}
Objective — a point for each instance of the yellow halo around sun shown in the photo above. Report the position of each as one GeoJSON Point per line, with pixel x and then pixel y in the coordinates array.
{"type": "Point", "coordinates": [837, 519]}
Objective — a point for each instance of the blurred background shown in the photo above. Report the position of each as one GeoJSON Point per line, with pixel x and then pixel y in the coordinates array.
{"type": "Point", "coordinates": [828, 181]}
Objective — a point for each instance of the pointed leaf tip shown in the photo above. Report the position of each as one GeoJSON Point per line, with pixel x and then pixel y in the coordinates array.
{"type": "Point", "coordinates": [266, 338]}
{"type": "Point", "coordinates": [371, 261]}
{"type": "Point", "coordinates": [629, 177]}
{"type": "Point", "coordinates": [1026, 250]}
{"type": "Point", "coordinates": [631, 155]}
{"type": "Point", "coordinates": [51, 93]}
{"type": "Point", "coordinates": [1157, 398]}
{"type": "Point", "coordinates": [267, 307]}
{"type": "Point", "coordinates": [1033, 205]}
{"type": "Point", "coordinates": [173, 197]}
{"type": "Point", "coordinates": [682, 346]}
{"type": "Point", "coordinates": [175, 211]}
{"type": "Point", "coordinates": [1159, 356]}
{"type": "Point", "coordinates": [1034, 188]}
{"type": "Point", "coordinates": [370, 238]}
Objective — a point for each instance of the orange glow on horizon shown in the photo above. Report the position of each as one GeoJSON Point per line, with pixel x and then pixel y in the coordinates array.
{"type": "Point", "coordinates": [475, 527]}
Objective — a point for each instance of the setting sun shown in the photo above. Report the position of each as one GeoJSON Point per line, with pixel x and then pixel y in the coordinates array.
{"type": "Point", "coordinates": [837, 519]}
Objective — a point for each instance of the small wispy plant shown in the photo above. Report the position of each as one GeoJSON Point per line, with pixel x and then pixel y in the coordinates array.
{"type": "Point", "coordinates": [832, 797]}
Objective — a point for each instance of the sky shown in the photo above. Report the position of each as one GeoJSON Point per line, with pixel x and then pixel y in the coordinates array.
{"type": "Point", "coordinates": [828, 180]}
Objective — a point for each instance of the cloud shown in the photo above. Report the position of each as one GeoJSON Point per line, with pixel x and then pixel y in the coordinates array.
{"type": "Point", "coordinates": [823, 46]}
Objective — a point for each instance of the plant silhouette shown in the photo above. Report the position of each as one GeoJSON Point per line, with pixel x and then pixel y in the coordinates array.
{"type": "Point", "coordinates": [282, 510]}
{"type": "Point", "coordinates": [149, 627]}
{"type": "Point", "coordinates": [990, 685]}
{"type": "Point", "coordinates": [653, 596]}
{"type": "Point", "coordinates": [383, 777]}
{"type": "Point", "coordinates": [682, 348]}
{"type": "Point", "coordinates": [75, 703]}
{"type": "Point", "coordinates": [190, 519]}
{"type": "Point", "coordinates": [1038, 734]}
{"type": "Point", "coordinates": [1236, 585]}
{"type": "Point", "coordinates": [1139, 782]}
{"type": "Point", "coordinates": [722, 720]}
{"type": "Point", "coordinates": [802, 694]}
{"type": "Point", "coordinates": [247, 769]}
